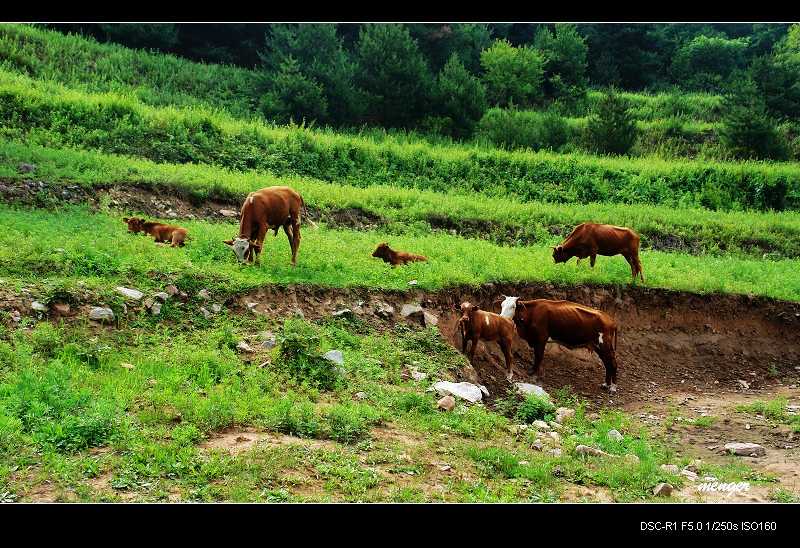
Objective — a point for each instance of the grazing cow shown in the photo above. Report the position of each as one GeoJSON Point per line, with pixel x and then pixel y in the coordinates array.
{"type": "Point", "coordinates": [540, 321]}
{"type": "Point", "coordinates": [160, 232]}
{"type": "Point", "coordinates": [592, 239]}
{"type": "Point", "coordinates": [271, 207]}
{"type": "Point", "coordinates": [476, 324]}
{"type": "Point", "coordinates": [383, 251]}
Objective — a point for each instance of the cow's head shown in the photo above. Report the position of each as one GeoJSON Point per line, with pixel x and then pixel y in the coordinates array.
{"type": "Point", "coordinates": [467, 311]}
{"type": "Point", "coordinates": [560, 255]}
{"type": "Point", "coordinates": [240, 247]}
{"type": "Point", "coordinates": [509, 307]}
{"type": "Point", "coordinates": [382, 251]}
{"type": "Point", "coordinates": [135, 224]}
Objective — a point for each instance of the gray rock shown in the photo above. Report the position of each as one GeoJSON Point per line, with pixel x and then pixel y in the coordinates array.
{"type": "Point", "coordinates": [411, 309]}
{"type": "Point", "coordinates": [746, 449]}
{"type": "Point", "coordinates": [384, 310]}
{"type": "Point", "coordinates": [172, 290]}
{"type": "Point", "coordinates": [101, 314]}
{"type": "Point", "coordinates": [162, 296]}
{"type": "Point", "coordinates": [555, 436]}
{"type": "Point", "coordinates": [671, 469]}
{"type": "Point", "coordinates": [215, 308]}
{"type": "Point", "coordinates": [413, 282]}
{"type": "Point", "coordinates": [537, 444]}
{"type": "Point", "coordinates": [418, 375]}
{"type": "Point", "coordinates": [663, 490]}
{"type": "Point", "coordinates": [361, 395]}
{"type": "Point", "coordinates": [430, 319]}
{"type": "Point", "coordinates": [15, 316]}
{"type": "Point", "coordinates": [691, 476]}
{"type": "Point", "coordinates": [464, 390]}
{"type": "Point", "coordinates": [228, 213]}
{"type": "Point", "coordinates": [586, 450]}
{"type": "Point", "coordinates": [244, 347]}
{"type": "Point", "coordinates": [38, 307]}
{"type": "Point", "coordinates": [556, 452]}
{"type": "Point", "coordinates": [541, 425]}
{"type": "Point", "coordinates": [206, 313]}
{"type": "Point", "coordinates": [128, 293]}
{"type": "Point", "coordinates": [203, 294]}
{"type": "Point", "coordinates": [268, 340]}
{"type": "Point", "coordinates": [342, 312]}
{"type": "Point", "coordinates": [614, 434]}
{"type": "Point", "coordinates": [564, 413]}
{"type": "Point", "coordinates": [447, 403]}
{"type": "Point", "coordinates": [525, 388]}
{"type": "Point", "coordinates": [155, 310]}
{"type": "Point", "coordinates": [334, 356]}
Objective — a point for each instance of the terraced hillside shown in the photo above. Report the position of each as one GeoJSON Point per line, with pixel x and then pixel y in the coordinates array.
{"type": "Point", "coordinates": [131, 371]}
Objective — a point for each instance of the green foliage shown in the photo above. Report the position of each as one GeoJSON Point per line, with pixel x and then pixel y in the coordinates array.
{"type": "Point", "coordinates": [707, 62]}
{"type": "Point", "coordinates": [293, 96]}
{"type": "Point", "coordinates": [349, 423]}
{"type": "Point", "coordinates": [513, 129]}
{"type": "Point", "coordinates": [513, 75]}
{"type": "Point", "coordinates": [461, 97]}
{"type": "Point", "coordinates": [299, 349]}
{"type": "Point", "coordinates": [564, 51]}
{"type": "Point", "coordinates": [777, 80]}
{"type": "Point", "coordinates": [612, 129]}
{"type": "Point", "coordinates": [394, 74]}
{"type": "Point", "coordinates": [747, 130]}
{"type": "Point", "coordinates": [526, 409]}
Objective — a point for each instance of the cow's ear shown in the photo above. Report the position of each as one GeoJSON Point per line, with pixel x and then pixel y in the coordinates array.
{"type": "Point", "coordinates": [228, 242]}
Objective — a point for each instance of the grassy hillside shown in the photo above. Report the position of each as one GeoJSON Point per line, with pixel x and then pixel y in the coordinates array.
{"type": "Point", "coordinates": [55, 116]}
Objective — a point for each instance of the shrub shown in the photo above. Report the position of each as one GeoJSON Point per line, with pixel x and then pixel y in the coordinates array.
{"type": "Point", "coordinates": [706, 62]}
{"type": "Point", "coordinates": [612, 128]}
{"type": "Point", "coordinates": [747, 130]}
{"type": "Point", "coordinates": [294, 96]}
{"type": "Point", "coordinates": [513, 76]}
{"type": "Point", "coordinates": [461, 97]}
{"type": "Point", "coordinates": [299, 350]}
{"type": "Point", "coordinates": [564, 52]}
{"type": "Point", "coordinates": [349, 423]}
{"type": "Point", "coordinates": [534, 408]}
{"type": "Point", "coordinates": [517, 129]}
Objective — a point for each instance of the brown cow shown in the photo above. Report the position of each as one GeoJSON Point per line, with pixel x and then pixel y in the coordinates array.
{"type": "Point", "coordinates": [383, 251]}
{"type": "Point", "coordinates": [476, 324]}
{"type": "Point", "coordinates": [271, 207]}
{"type": "Point", "coordinates": [160, 232]}
{"type": "Point", "coordinates": [540, 321]}
{"type": "Point", "coordinates": [592, 239]}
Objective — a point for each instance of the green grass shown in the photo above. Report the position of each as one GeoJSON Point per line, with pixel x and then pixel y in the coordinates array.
{"type": "Point", "coordinates": [503, 220]}
{"type": "Point", "coordinates": [56, 116]}
{"type": "Point", "coordinates": [774, 410]}
{"type": "Point", "coordinates": [97, 250]}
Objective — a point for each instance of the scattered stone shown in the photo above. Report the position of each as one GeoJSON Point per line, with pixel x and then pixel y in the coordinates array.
{"type": "Point", "coordinates": [555, 436]}
{"type": "Point", "coordinates": [15, 316]}
{"type": "Point", "coordinates": [586, 450]}
{"type": "Point", "coordinates": [445, 467]}
{"type": "Point", "coordinates": [747, 426]}
{"type": "Point", "coordinates": [203, 294]}
{"type": "Point", "coordinates": [663, 490]}
{"type": "Point", "coordinates": [228, 213]}
{"type": "Point", "coordinates": [384, 310]}
{"type": "Point", "coordinates": [691, 476]}
{"type": "Point", "coordinates": [671, 469]}
{"type": "Point", "coordinates": [614, 434]}
{"type": "Point", "coordinates": [128, 293]}
{"type": "Point", "coordinates": [746, 449]}
{"type": "Point", "coordinates": [268, 340]}
{"type": "Point", "coordinates": [694, 466]}
{"type": "Point", "coordinates": [413, 282]}
{"type": "Point", "coordinates": [172, 290]}
{"type": "Point", "coordinates": [38, 307]}
{"type": "Point", "coordinates": [418, 375]}
{"type": "Point", "coordinates": [162, 296]}
{"type": "Point", "coordinates": [537, 444]}
{"type": "Point", "coordinates": [744, 384]}
{"type": "Point", "coordinates": [593, 416]}
{"type": "Point", "coordinates": [215, 308]}
{"type": "Point", "coordinates": [206, 313]}
{"type": "Point", "coordinates": [541, 425]}
{"type": "Point", "coordinates": [563, 413]}
{"type": "Point", "coordinates": [361, 395]}
{"type": "Point", "coordinates": [127, 365]}
{"type": "Point", "coordinates": [334, 356]}
{"type": "Point", "coordinates": [463, 390]}
{"type": "Point", "coordinates": [555, 452]}
{"type": "Point", "coordinates": [148, 302]}
{"type": "Point", "coordinates": [244, 347]}
{"type": "Point", "coordinates": [155, 310]}
{"type": "Point", "coordinates": [447, 403]}
{"type": "Point", "coordinates": [430, 319]}
{"type": "Point", "coordinates": [411, 310]}
{"type": "Point", "coordinates": [100, 314]}
{"type": "Point", "coordinates": [342, 312]}
{"type": "Point", "coordinates": [26, 168]}
{"type": "Point", "coordinates": [526, 388]}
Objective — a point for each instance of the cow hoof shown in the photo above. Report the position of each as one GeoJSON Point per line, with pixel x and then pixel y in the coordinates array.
{"type": "Point", "coordinates": [612, 388]}
{"type": "Point", "coordinates": [604, 386]}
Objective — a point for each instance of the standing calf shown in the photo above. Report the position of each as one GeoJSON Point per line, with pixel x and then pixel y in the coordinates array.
{"type": "Point", "coordinates": [160, 232]}
{"type": "Point", "coordinates": [476, 324]}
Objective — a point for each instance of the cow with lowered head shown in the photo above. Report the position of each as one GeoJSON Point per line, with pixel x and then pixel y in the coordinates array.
{"type": "Point", "coordinates": [592, 239]}
{"type": "Point", "coordinates": [476, 324]}
{"type": "Point", "coordinates": [269, 208]}
{"type": "Point", "coordinates": [569, 324]}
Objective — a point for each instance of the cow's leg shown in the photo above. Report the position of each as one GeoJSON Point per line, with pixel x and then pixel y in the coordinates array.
{"type": "Point", "coordinates": [639, 267]}
{"type": "Point", "coordinates": [538, 356]}
{"type": "Point", "coordinates": [464, 342]}
{"type": "Point", "coordinates": [592, 259]}
{"type": "Point", "coordinates": [505, 346]}
{"type": "Point", "coordinates": [290, 235]}
{"type": "Point", "coordinates": [632, 260]}
{"type": "Point", "coordinates": [259, 247]}
{"type": "Point", "coordinates": [472, 350]}
{"type": "Point", "coordinates": [577, 261]}
{"type": "Point", "coordinates": [607, 354]}
{"type": "Point", "coordinates": [295, 240]}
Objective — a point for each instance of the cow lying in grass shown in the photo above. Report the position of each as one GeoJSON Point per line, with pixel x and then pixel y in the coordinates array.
{"type": "Point", "coordinates": [160, 232]}
{"type": "Point", "coordinates": [272, 207]}
{"type": "Point", "coordinates": [592, 239]}
{"type": "Point", "coordinates": [569, 324]}
{"type": "Point", "coordinates": [383, 251]}
{"type": "Point", "coordinates": [476, 324]}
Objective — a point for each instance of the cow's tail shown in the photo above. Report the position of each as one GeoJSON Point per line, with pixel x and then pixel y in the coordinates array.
{"type": "Point", "coordinates": [305, 212]}
{"type": "Point", "coordinates": [614, 340]}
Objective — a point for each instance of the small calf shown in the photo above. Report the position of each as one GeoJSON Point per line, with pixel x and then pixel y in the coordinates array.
{"type": "Point", "coordinates": [159, 231]}
{"type": "Point", "coordinates": [476, 324]}
{"type": "Point", "coordinates": [383, 251]}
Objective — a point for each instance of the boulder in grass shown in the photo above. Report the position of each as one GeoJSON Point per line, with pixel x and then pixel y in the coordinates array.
{"type": "Point", "coordinates": [128, 293]}
{"type": "Point", "coordinates": [447, 403]}
{"type": "Point", "coordinates": [464, 390]}
{"type": "Point", "coordinates": [526, 389]}
{"type": "Point", "coordinates": [746, 449]}
{"type": "Point", "coordinates": [101, 314]}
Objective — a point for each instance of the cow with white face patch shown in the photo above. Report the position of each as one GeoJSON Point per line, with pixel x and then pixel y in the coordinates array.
{"type": "Point", "coordinates": [476, 324]}
{"type": "Point", "coordinates": [569, 324]}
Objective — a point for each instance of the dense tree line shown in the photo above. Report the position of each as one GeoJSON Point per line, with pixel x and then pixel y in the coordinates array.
{"type": "Point", "coordinates": [444, 77]}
